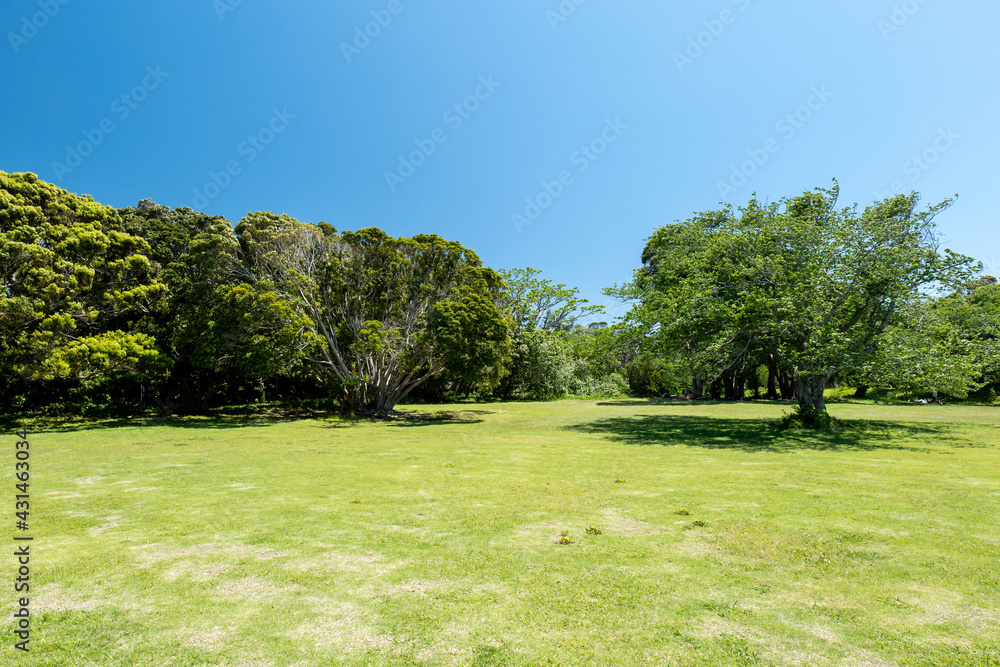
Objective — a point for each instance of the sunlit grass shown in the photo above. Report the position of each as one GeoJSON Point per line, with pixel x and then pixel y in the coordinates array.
{"type": "Point", "coordinates": [576, 532]}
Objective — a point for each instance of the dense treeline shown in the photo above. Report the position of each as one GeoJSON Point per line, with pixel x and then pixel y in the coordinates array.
{"type": "Point", "coordinates": [149, 308]}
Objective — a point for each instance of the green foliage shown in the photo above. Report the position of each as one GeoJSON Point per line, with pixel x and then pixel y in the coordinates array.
{"type": "Point", "coordinates": [799, 286]}
{"type": "Point", "coordinates": [222, 327]}
{"type": "Point", "coordinates": [949, 344]}
{"type": "Point", "coordinates": [552, 355]}
{"type": "Point", "coordinates": [533, 303]}
{"type": "Point", "coordinates": [805, 417]}
{"type": "Point", "coordinates": [543, 366]}
{"type": "Point", "coordinates": [390, 314]}
{"type": "Point", "coordinates": [475, 336]}
{"type": "Point", "coordinates": [102, 354]}
{"type": "Point", "coordinates": [73, 285]}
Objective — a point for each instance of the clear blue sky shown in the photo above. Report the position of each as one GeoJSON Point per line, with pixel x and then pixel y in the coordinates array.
{"type": "Point", "coordinates": [887, 81]}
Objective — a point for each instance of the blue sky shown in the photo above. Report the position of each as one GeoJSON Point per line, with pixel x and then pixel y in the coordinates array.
{"type": "Point", "coordinates": [593, 121]}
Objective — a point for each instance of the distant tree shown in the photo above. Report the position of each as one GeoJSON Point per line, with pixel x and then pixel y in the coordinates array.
{"type": "Point", "coordinates": [949, 344]}
{"type": "Point", "coordinates": [975, 308]}
{"type": "Point", "coordinates": [801, 282]}
{"type": "Point", "coordinates": [390, 313]}
{"type": "Point", "coordinates": [534, 303]}
{"type": "Point", "coordinates": [541, 311]}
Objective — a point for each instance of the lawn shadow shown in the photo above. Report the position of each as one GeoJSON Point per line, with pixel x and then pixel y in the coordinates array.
{"type": "Point", "coordinates": [244, 419]}
{"type": "Point", "coordinates": [677, 400]}
{"type": "Point", "coordinates": [407, 419]}
{"type": "Point", "coordinates": [756, 435]}
{"type": "Point", "coordinates": [218, 421]}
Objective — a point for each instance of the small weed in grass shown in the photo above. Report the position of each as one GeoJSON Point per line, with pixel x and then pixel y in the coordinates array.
{"type": "Point", "coordinates": [619, 481]}
{"type": "Point", "coordinates": [893, 602]}
{"type": "Point", "coordinates": [696, 524]}
{"type": "Point", "coordinates": [593, 530]}
{"type": "Point", "coordinates": [683, 512]}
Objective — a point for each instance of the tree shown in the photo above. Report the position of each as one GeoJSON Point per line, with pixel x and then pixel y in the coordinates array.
{"type": "Point", "coordinates": [974, 308]}
{"type": "Point", "coordinates": [541, 312]}
{"type": "Point", "coordinates": [533, 303]}
{"type": "Point", "coordinates": [217, 330]}
{"type": "Point", "coordinates": [949, 344]}
{"type": "Point", "coordinates": [800, 282]}
{"type": "Point", "coordinates": [73, 284]}
{"type": "Point", "coordinates": [390, 313]}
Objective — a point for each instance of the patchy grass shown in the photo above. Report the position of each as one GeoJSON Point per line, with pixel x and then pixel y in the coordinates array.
{"type": "Point", "coordinates": [571, 533]}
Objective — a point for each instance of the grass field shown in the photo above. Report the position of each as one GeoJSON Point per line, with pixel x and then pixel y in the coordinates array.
{"type": "Point", "coordinates": [715, 540]}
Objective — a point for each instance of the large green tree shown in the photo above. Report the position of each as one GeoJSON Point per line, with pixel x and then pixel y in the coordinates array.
{"type": "Point", "coordinates": [73, 284]}
{"type": "Point", "coordinates": [801, 281]}
{"type": "Point", "coordinates": [389, 313]}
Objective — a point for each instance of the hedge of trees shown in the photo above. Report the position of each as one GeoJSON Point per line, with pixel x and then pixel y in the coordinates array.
{"type": "Point", "coordinates": [149, 308]}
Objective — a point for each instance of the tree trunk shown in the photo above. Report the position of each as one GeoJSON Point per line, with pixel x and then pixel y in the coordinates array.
{"type": "Point", "coordinates": [861, 391]}
{"type": "Point", "coordinates": [787, 386]}
{"type": "Point", "coordinates": [772, 381]}
{"type": "Point", "coordinates": [809, 392]}
{"type": "Point", "coordinates": [734, 386]}
{"type": "Point", "coordinates": [197, 394]}
{"type": "Point", "coordinates": [697, 386]}
{"type": "Point", "coordinates": [715, 389]}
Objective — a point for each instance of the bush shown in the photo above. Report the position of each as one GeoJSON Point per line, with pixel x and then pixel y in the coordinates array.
{"type": "Point", "coordinates": [809, 417]}
{"type": "Point", "coordinates": [611, 386]}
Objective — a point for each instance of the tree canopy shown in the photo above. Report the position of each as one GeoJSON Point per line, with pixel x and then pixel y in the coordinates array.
{"type": "Point", "coordinates": [798, 283]}
{"type": "Point", "coordinates": [149, 305]}
{"type": "Point", "coordinates": [389, 313]}
{"type": "Point", "coordinates": [73, 284]}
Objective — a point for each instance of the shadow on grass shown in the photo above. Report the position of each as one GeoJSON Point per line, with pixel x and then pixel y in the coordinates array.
{"type": "Point", "coordinates": [219, 421]}
{"type": "Point", "coordinates": [634, 402]}
{"type": "Point", "coordinates": [409, 419]}
{"type": "Point", "coordinates": [757, 435]}
{"type": "Point", "coordinates": [247, 419]}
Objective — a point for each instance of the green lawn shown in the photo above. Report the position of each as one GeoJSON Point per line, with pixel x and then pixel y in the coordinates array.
{"type": "Point", "coordinates": [721, 540]}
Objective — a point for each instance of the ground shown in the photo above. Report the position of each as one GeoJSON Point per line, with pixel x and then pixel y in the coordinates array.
{"type": "Point", "coordinates": [714, 539]}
